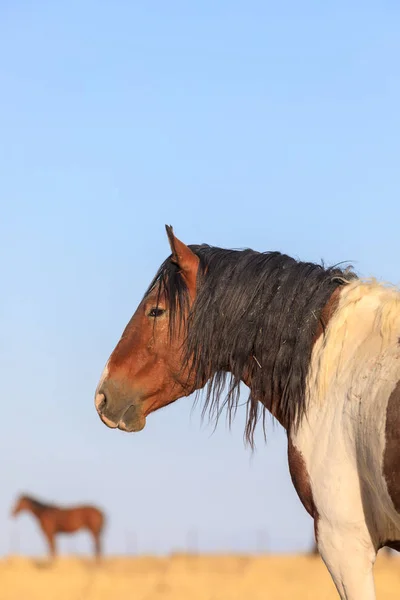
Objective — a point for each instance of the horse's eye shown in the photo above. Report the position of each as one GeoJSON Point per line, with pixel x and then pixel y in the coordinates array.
{"type": "Point", "coordinates": [156, 312]}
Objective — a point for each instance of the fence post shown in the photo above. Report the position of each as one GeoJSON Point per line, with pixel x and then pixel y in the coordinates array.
{"type": "Point", "coordinates": [192, 542]}
{"type": "Point", "coordinates": [261, 537]}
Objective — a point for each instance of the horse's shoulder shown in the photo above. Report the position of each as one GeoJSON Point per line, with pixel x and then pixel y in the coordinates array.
{"type": "Point", "coordinates": [47, 515]}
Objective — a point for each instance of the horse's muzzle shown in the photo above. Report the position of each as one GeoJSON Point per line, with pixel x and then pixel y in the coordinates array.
{"type": "Point", "coordinates": [119, 412]}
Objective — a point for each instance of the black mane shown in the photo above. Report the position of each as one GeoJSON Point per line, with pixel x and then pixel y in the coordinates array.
{"type": "Point", "coordinates": [254, 317]}
{"type": "Point", "coordinates": [36, 503]}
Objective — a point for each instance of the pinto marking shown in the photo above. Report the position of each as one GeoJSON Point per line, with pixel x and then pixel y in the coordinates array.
{"type": "Point", "coordinates": [354, 372]}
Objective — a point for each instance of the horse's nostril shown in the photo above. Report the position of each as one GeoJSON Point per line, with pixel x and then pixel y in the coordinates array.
{"type": "Point", "coordinates": [100, 402]}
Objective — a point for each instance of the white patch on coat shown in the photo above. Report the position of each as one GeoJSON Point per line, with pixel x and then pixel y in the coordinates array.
{"type": "Point", "coordinates": [355, 367]}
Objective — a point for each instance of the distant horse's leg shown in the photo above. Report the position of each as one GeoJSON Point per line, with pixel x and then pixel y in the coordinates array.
{"type": "Point", "coordinates": [51, 543]}
{"type": "Point", "coordinates": [97, 544]}
{"type": "Point", "coordinates": [349, 556]}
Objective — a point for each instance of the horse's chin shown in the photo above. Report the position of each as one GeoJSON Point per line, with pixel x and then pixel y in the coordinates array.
{"type": "Point", "coordinates": [132, 421]}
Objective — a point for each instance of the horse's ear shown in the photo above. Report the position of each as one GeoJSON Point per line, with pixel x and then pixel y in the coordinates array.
{"type": "Point", "coordinates": [182, 255]}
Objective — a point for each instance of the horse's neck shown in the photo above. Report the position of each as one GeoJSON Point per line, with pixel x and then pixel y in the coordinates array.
{"type": "Point", "coordinates": [272, 407]}
{"type": "Point", "coordinates": [326, 314]}
{"type": "Point", "coordinates": [37, 509]}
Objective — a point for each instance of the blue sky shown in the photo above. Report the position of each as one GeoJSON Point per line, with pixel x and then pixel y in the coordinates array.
{"type": "Point", "coordinates": [262, 124]}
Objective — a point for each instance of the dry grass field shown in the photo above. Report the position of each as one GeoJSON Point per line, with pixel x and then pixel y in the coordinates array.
{"type": "Point", "coordinates": [182, 577]}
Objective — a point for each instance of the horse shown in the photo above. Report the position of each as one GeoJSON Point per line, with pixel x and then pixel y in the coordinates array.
{"type": "Point", "coordinates": [318, 347]}
{"type": "Point", "coordinates": [54, 519]}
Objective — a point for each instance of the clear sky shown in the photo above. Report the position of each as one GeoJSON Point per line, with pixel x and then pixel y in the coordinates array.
{"type": "Point", "coordinates": [273, 125]}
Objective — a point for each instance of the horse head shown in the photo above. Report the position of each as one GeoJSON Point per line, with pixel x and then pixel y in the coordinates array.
{"type": "Point", "coordinates": [146, 370]}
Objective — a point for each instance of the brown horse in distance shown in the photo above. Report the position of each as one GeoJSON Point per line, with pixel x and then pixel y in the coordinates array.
{"type": "Point", "coordinates": [54, 519]}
